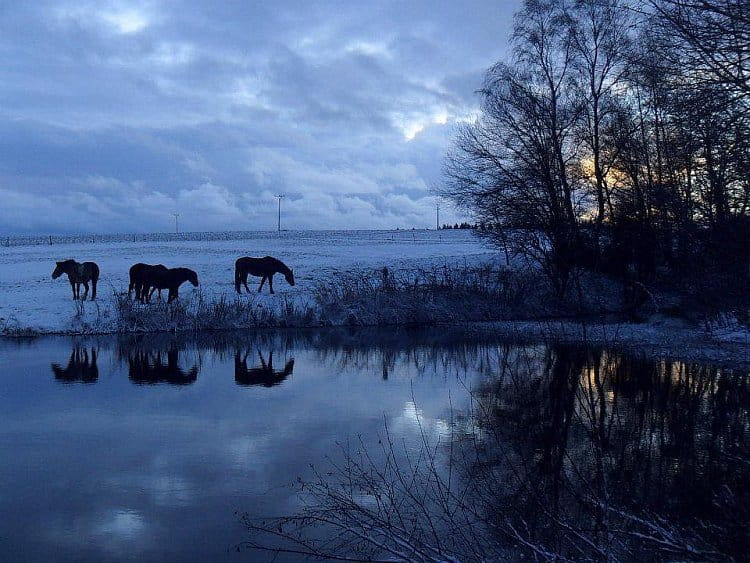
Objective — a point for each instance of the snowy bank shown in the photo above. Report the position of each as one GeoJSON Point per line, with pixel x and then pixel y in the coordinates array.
{"type": "Point", "coordinates": [31, 302]}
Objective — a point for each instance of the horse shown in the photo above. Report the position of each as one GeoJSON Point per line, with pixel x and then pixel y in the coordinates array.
{"type": "Point", "coordinates": [264, 267]}
{"type": "Point", "coordinates": [78, 273]}
{"type": "Point", "coordinates": [264, 375]}
{"type": "Point", "coordinates": [138, 274]}
{"type": "Point", "coordinates": [170, 279]}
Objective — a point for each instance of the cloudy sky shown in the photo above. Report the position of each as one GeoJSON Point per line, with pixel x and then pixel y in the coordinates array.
{"type": "Point", "coordinates": [115, 115]}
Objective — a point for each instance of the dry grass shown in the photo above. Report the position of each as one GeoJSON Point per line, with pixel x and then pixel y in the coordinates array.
{"type": "Point", "coordinates": [202, 314]}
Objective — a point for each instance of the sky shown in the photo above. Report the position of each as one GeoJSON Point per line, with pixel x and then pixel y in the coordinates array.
{"type": "Point", "coordinates": [115, 115]}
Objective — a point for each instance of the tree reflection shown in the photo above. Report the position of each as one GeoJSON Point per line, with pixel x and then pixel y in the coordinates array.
{"type": "Point", "coordinates": [569, 453]}
{"type": "Point", "coordinates": [604, 455]}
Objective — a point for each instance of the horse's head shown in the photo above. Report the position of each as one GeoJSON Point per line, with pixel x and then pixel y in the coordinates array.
{"type": "Point", "coordinates": [193, 278]}
{"type": "Point", "coordinates": [59, 269]}
{"type": "Point", "coordinates": [289, 277]}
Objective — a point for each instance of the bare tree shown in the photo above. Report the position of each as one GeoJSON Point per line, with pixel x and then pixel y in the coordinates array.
{"type": "Point", "coordinates": [600, 31]}
{"type": "Point", "coordinates": [716, 34]}
{"type": "Point", "coordinates": [514, 166]}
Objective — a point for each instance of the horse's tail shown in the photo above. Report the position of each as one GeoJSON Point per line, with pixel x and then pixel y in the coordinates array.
{"type": "Point", "coordinates": [237, 278]}
{"type": "Point", "coordinates": [94, 279]}
{"type": "Point", "coordinates": [132, 280]}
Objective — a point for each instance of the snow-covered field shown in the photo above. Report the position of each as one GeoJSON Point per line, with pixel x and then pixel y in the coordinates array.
{"type": "Point", "coordinates": [30, 299]}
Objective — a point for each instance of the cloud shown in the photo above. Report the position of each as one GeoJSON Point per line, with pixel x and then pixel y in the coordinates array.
{"type": "Point", "coordinates": [110, 109]}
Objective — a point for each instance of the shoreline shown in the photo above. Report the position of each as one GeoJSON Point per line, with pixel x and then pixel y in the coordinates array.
{"type": "Point", "coordinates": [663, 338]}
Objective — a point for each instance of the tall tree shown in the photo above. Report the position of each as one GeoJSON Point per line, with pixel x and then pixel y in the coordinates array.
{"type": "Point", "coordinates": [600, 32]}
{"type": "Point", "coordinates": [513, 166]}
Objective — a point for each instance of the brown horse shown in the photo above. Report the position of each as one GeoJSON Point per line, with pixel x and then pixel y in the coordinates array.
{"type": "Point", "coordinates": [139, 274]}
{"type": "Point", "coordinates": [79, 273]}
{"type": "Point", "coordinates": [264, 267]}
{"type": "Point", "coordinates": [264, 375]}
{"type": "Point", "coordinates": [170, 279]}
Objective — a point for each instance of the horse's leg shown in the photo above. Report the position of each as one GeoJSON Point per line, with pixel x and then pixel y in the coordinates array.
{"type": "Point", "coordinates": [174, 293]}
{"type": "Point", "coordinates": [244, 282]}
{"type": "Point", "coordinates": [73, 287]}
{"type": "Point", "coordinates": [270, 283]}
{"type": "Point", "coordinates": [262, 281]}
{"type": "Point", "coordinates": [93, 288]}
{"type": "Point", "coordinates": [86, 292]}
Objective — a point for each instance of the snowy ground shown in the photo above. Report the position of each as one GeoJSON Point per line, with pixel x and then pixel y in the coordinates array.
{"type": "Point", "coordinates": [30, 299]}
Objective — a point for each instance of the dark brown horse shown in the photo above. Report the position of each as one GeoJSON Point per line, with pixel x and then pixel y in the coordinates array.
{"type": "Point", "coordinates": [139, 273]}
{"type": "Point", "coordinates": [78, 273]}
{"type": "Point", "coordinates": [170, 279]}
{"type": "Point", "coordinates": [264, 375]}
{"type": "Point", "coordinates": [264, 267]}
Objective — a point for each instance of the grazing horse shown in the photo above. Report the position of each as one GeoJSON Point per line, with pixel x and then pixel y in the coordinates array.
{"type": "Point", "coordinates": [78, 273]}
{"type": "Point", "coordinates": [170, 279]}
{"type": "Point", "coordinates": [264, 375]}
{"type": "Point", "coordinates": [138, 275]}
{"type": "Point", "coordinates": [264, 267]}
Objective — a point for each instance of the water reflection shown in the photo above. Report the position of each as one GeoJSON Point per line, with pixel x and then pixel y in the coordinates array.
{"type": "Point", "coordinates": [145, 367]}
{"type": "Point", "coordinates": [156, 359]}
{"type": "Point", "coordinates": [597, 454]}
{"type": "Point", "coordinates": [262, 374]}
{"type": "Point", "coordinates": [575, 449]}
{"type": "Point", "coordinates": [81, 367]}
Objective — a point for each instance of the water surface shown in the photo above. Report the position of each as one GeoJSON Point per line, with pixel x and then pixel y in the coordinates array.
{"type": "Point", "coordinates": [147, 447]}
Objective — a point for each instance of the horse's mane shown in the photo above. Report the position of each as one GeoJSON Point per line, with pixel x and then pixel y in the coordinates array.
{"type": "Point", "coordinates": [283, 268]}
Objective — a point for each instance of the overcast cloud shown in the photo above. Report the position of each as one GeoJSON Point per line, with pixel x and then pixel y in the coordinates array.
{"type": "Point", "coordinates": [114, 115]}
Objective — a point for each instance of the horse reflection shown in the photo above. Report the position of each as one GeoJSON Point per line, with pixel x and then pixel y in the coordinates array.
{"type": "Point", "coordinates": [148, 367]}
{"type": "Point", "coordinates": [81, 367]}
{"type": "Point", "coordinates": [263, 375]}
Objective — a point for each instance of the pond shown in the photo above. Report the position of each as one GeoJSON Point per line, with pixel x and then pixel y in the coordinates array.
{"type": "Point", "coordinates": [154, 447]}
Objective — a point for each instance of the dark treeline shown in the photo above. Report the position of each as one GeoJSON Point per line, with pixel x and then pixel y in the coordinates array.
{"type": "Point", "coordinates": [616, 138]}
{"type": "Point", "coordinates": [463, 225]}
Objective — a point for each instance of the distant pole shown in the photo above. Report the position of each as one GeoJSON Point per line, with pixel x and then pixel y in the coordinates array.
{"type": "Point", "coordinates": [176, 223]}
{"type": "Point", "coordinates": [437, 216]}
{"type": "Point", "coordinates": [280, 196]}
